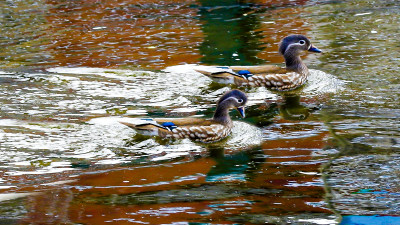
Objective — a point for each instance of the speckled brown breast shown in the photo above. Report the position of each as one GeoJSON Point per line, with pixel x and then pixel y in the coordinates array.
{"type": "Point", "coordinates": [281, 82]}
{"type": "Point", "coordinates": [211, 133]}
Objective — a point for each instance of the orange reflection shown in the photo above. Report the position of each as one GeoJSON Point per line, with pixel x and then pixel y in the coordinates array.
{"type": "Point", "coordinates": [158, 34]}
{"type": "Point", "coordinates": [123, 33]}
{"type": "Point", "coordinates": [144, 179]}
{"type": "Point", "coordinates": [290, 168]}
{"type": "Point", "coordinates": [297, 158]}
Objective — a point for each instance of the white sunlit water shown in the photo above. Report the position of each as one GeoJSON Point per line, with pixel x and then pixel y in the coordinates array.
{"type": "Point", "coordinates": [65, 114]}
{"type": "Point", "coordinates": [320, 82]}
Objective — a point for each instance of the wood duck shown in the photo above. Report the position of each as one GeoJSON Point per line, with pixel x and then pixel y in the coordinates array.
{"type": "Point", "coordinates": [273, 77]}
{"type": "Point", "coordinates": [196, 129]}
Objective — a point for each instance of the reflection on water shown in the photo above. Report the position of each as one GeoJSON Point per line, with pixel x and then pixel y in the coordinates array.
{"type": "Point", "coordinates": [231, 35]}
{"type": "Point", "coordinates": [66, 159]}
{"type": "Point", "coordinates": [144, 34]}
{"type": "Point", "coordinates": [236, 167]}
{"type": "Point", "coordinates": [363, 177]}
{"type": "Point", "coordinates": [293, 110]}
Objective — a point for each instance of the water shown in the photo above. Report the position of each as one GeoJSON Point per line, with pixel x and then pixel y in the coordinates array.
{"type": "Point", "coordinates": [326, 154]}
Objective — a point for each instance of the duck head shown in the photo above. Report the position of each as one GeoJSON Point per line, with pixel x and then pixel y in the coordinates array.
{"type": "Point", "coordinates": [231, 99]}
{"type": "Point", "coordinates": [295, 44]}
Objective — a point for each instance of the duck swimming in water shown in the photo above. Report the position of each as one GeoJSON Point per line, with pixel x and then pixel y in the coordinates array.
{"type": "Point", "coordinates": [273, 77]}
{"type": "Point", "coordinates": [196, 129]}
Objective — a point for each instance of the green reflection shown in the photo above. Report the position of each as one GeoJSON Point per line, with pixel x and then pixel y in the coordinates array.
{"type": "Point", "coordinates": [292, 109]}
{"type": "Point", "coordinates": [261, 115]}
{"type": "Point", "coordinates": [237, 167]}
{"type": "Point", "coordinates": [231, 35]}
{"type": "Point", "coordinates": [22, 34]}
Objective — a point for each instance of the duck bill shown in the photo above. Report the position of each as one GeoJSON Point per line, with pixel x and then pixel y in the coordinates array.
{"type": "Point", "coordinates": [314, 49]}
{"type": "Point", "coordinates": [241, 111]}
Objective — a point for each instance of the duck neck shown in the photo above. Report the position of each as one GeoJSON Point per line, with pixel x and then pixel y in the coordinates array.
{"type": "Point", "coordinates": [294, 63]}
{"type": "Point", "coordinates": [221, 114]}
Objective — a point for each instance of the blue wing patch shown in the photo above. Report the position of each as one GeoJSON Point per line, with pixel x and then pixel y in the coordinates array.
{"type": "Point", "coordinates": [169, 125]}
{"type": "Point", "coordinates": [223, 67]}
{"type": "Point", "coordinates": [245, 73]}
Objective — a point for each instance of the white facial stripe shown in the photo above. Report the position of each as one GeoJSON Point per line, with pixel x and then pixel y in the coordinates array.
{"type": "Point", "coordinates": [232, 98]}
{"type": "Point", "coordinates": [293, 44]}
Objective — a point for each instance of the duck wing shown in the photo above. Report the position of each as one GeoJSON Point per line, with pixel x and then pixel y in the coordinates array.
{"type": "Point", "coordinates": [184, 121]}
{"type": "Point", "coordinates": [196, 129]}
{"type": "Point", "coordinates": [240, 70]}
{"type": "Point", "coordinates": [205, 131]}
{"type": "Point", "coordinates": [280, 82]}
{"type": "Point", "coordinates": [147, 128]}
{"type": "Point", "coordinates": [240, 75]}
{"type": "Point", "coordinates": [259, 69]}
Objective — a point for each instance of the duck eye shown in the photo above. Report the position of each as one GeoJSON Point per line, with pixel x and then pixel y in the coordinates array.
{"type": "Point", "coordinates": [302, 42]}
{"type": "Point", "coordinates": [240, 100]}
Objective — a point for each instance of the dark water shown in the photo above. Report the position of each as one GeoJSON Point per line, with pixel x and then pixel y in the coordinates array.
{"type": "Point", "coordinates": [70, 70]}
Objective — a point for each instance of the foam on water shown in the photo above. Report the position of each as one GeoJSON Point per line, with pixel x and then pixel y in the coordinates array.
{"type": "Point", "coordinates": [4, 73]}
{"type": "Point", "coordinates": [110, 73]}
{"type": "Point", "coordinates": [320, 82]}
{"type": "Point", "coordinates": [153, 89]}
{"type": "Point", "coordinates": [10, 196]}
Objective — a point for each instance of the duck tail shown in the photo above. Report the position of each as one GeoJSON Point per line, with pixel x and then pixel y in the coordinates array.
{"type": "Point", "coordinates": [148, 128]}
{"type": "Point", "coordinates": [220, 76]}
